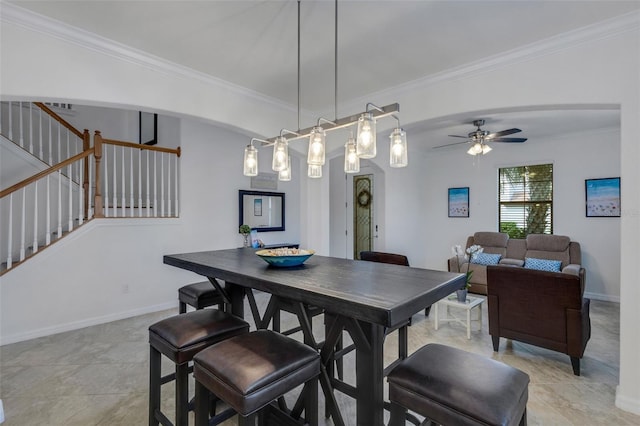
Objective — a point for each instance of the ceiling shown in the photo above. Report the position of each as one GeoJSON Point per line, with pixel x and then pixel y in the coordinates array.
{"type": "Point", "coordinates": [253, 44]}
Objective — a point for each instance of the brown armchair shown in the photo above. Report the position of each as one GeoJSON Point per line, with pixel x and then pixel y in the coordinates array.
{"type": "Point", "coordinates": [545, 309]}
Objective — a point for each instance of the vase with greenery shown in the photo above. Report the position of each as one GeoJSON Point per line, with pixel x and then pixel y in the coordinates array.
{"type": "Point", "coordinates": [465, 255]}
{"type": "Point", "coordinates": [245, 230]}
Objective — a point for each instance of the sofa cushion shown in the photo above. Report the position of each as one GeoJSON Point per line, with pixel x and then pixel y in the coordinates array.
{"type": "Point", "coordinates": [491, 239]}
{"type": "Point", "coordinates": [486, 259]}
{"type": "Point", "coordinates": [545, 242]}
{"type": "Point", "coordinates": [511, 262]}
{"type": "Point", "coordinates": [542, 264]}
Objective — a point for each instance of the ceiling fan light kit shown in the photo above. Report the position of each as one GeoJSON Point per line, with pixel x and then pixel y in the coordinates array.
{"type": "Point", "coordinates": [479, 139]}
{"type": "Point", "coordinates": [362, 146]}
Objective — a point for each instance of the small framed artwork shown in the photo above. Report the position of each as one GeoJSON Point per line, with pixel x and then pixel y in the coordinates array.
{"type": "Point", "coordinates": [257, 207]}
{"type": "Point", "coordinates": [602, 197]}
{"type": "Point", "coordinates": [459, 202]}
{"type": "Point", "coordinates": [148, 128]}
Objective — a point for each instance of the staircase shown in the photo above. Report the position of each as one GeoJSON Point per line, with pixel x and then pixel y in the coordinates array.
{"type": "Point", "coordinates": [53, 180]}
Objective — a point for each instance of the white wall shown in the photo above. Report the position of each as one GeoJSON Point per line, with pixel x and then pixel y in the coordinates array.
{"type": "Point", "coordinates": [574, 158]}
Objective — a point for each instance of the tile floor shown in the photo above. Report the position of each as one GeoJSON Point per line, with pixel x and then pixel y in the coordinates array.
{"type": "Point", "coordinates": [99, 375]}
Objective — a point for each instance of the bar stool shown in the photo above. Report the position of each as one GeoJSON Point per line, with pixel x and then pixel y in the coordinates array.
{"type": "Point", "coordinates": [179, 338]}
{"type": "Point", "coordinates": [250, 371]}
{"type": "Point", "coordinates": [199, 295]}
{"type": "Point", "coordinates": [453, 387]}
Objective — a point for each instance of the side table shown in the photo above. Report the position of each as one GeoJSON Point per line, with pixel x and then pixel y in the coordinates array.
{"type": "Point", "coordinates": [467, 306]}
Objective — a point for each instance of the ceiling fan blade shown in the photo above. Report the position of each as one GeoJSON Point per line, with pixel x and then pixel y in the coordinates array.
{"type": "Point", "coordinates": [458, 136]}
{"type": "Point", "coordinates": [508, 140]}
{"type": "Point", "coordinates": [450, 144]}
{"type": "Point", "coordinates": [502, 133]}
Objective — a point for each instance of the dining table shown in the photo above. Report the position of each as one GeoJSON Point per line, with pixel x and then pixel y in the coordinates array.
{"type": "Point", "coordinates": [365, 299]}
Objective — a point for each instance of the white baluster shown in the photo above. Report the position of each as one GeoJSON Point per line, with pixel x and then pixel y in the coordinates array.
{"type": "Point", "coordinates": [115, 184]}
{"type": "Point", "coordinates": [68, 146]}
{"type": "Point", "coordinates": [59, 204]}
{"type": "Point", "coordinates": [90, 201]}
{"type": "Point", "coordinates": [80, 193]}
{"type": "Point", "coordinates": [10, 231]}
{"type": "Point", "coordinates": [140, 183]}
{"type": "Point", "coordinates": [155, 185]}
{"type": "Point", "coordinates": [70, 206]}
{"type": "Point", "coordinates": [176, 191]}
{"type": "Point", "coordinates": [168, 184]}
{"type": "Point", "coordinates": [123, 196]}
{"type": "Point", "coordinates": [161, 184]}
{"type": "Point", "coordinates": [105, 194]}
{"type": "Point", "coordinates": [20, 127]}
{"type": "Point", "coordinates": [10, 121]}
{"type": "Point", "coordinates": [148, 195]}
{"type": "Point", "coordinates": [40, 154]}
{"type": "Point", "coordinates": [23, 223]}
{"type": "Point", "coordinates": [132, 209]}
{"type": "Point", "coordinates": [48, 212]}
{"type": "Point", "coordinates": [59, 143]}
{"type": "Point", "coordinates": [35, 218]}
{"type": "Point", "coordinates": [31, 127]}
{"type": "Point", "coordinates": [50, 143]}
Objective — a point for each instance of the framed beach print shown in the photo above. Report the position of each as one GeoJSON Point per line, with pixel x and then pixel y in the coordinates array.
{"type": "Point", "coordinates": [602, 197]}
{"type": "Point", "coordinates": [459, 202]}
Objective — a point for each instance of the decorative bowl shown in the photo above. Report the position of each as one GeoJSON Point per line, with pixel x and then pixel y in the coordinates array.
{"type": "Point", "coordinates": [285, 258]}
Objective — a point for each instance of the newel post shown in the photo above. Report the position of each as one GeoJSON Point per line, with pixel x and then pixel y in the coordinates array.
{"type": "Point", "coordinates": [97, 147]}
{"type": "Point", "coordinates": [86, 145]}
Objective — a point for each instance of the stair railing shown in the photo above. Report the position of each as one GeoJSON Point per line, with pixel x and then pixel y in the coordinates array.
{"type": "Point", "coordinates": [41, 131]}
{"type": "Point", "coordinates": [138, 180]}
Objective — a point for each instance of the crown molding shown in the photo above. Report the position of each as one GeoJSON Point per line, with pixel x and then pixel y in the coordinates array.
{"type": "Point", "coordinates": [12, 14]}
{"type": "Point", "coordinates": [605, 29]}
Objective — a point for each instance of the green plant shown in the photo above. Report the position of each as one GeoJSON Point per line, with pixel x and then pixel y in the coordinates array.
{"type": "Point", "coordinates": [244, 229]}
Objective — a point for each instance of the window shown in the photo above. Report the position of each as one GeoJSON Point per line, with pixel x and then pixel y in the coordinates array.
{"type": "Point", "coordinates": [525, 200]}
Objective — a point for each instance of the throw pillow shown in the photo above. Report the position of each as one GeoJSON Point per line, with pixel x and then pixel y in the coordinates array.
{"type": "Point", "coordinates": [542, 264]}
{"type": "Point", "coordinates": [486, 259]}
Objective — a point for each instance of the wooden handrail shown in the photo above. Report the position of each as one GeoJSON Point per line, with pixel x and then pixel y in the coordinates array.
{"type": "Point", "coordinates": [59, 119]}
{"type": "Point", "coordinates": [44, 173]}
{"type": "Point", "coordinates": [141, 146]}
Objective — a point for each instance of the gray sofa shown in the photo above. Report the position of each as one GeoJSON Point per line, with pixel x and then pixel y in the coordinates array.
{"type": "Point", "coordinates": [514, 251]}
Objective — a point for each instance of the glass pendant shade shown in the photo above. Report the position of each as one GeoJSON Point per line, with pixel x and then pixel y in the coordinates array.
{"type": "Point", "coordinates": [250, 161]}
{"type": "Point", "coordinates": [475, 149]}
{"type": "Point", "coordinates": [366, 136]}
{"type": "Point", "coordinates": [351, 159]}
{"type": "Point", "coordinates": [316, 146]}
{"type": "Point", "coordinates": [280, 154]}
{"type": "Point", "coordinates": [285, 175]}
{"type": "Point", "coordinates": [398, 148]}
{"type": "Point", "coordinates": [314, 171]}
{"type": "Point", "coordinates": [485, 149]}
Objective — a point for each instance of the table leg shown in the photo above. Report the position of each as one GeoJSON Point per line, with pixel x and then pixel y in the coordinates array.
{"type": "Point", "coordinates": [369, 341]}
{"type": "Point", "coordinates": [468, 323]}
{"type": "Point", "coordinates": [436, 306]}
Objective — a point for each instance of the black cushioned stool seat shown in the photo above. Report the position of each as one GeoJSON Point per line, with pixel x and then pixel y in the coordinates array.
{"type": "Point", "coordinates": [179, 338]}
{"type": "Point", "coordinates": [453, 387]}
{"type": "Point", "coordinates": [250, 371]}
{"type": "Point", "coordinates": [199, 295]}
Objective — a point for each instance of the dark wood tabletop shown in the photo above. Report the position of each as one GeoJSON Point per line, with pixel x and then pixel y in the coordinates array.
{"type": "Point", "coordinates": [373, 292]}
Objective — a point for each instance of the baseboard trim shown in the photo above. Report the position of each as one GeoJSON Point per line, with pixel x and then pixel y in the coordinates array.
{"type": "Point", "coordinates": [603, 297]}
{"type": "Point", "coordinates": [627, 404]}
{"type": "Point", "coordinates": [61, 328]}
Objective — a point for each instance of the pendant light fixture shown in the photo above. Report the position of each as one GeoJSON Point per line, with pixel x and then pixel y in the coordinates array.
{"type": "Point", "coordinates": [250, 160]}
{"type": "Point", "coordinates": [362, 146]}
{"type": "Point", "coordinates": [351, 159]}
{"type": "Point", "coordinates": [398, 147]}
{"type": "Point", "coordinates": [366, 139]}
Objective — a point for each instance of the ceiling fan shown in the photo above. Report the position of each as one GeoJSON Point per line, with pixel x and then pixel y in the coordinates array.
{"type": "Point", "coordinates": [479, 138]}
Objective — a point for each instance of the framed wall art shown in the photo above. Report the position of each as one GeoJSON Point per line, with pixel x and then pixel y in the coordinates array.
{"type": "Point", "coordinates": [602, 197]}
{"type": "Point", "coordinates": [459, 202]}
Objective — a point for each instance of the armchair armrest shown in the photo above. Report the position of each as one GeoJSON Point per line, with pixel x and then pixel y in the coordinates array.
{"type": "Point", "coordinates": [452, 264]}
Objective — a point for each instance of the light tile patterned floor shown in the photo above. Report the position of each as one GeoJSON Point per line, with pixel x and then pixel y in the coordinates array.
{"type": "Point", "coordinates": [99, 375]}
